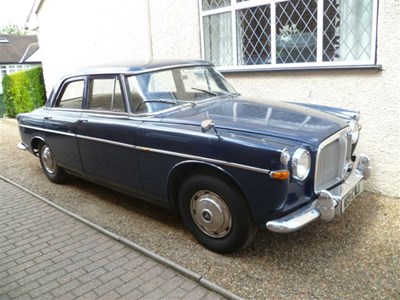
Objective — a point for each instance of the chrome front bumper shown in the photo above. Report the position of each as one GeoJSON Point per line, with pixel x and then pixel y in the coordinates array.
{"type": "Point", "coordinates": [329, 203]}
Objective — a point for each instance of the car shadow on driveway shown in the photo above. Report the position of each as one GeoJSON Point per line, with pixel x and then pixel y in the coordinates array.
{"type": "Point", "coordinates": [319, 240]}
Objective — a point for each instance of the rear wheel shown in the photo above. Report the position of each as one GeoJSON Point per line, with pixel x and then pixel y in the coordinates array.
{"type": "Point", "coordinates": [216, 213]}
{"type": "Point", "coordinates": [53, 172]}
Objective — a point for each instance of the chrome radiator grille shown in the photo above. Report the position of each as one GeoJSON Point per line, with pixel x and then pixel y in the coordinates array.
{"type": "Point", "coordinates": [333, 160]}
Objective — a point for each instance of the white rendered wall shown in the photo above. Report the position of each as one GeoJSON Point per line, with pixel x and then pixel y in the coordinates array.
{"type": "Point", "coordinates": [175, 29]}
{"type": "Point", "coordinates": [78, 33]}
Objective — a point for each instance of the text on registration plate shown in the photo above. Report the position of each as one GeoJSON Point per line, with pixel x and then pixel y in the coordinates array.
{"type": "Point", "coordinates": [352, 194]}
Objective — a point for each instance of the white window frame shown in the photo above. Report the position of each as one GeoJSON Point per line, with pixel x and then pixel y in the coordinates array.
{"type": "Point", "coordinates": [319, 64]}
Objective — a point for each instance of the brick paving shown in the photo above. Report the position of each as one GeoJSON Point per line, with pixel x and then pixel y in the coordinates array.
{"type": "Point", "coordinates": [47, 254]}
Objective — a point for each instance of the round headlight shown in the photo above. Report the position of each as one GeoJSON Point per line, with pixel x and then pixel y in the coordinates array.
{"type": "Point", "coordinates": [301, 163]}
{"type": "Point", "coordinates": [355, 131]}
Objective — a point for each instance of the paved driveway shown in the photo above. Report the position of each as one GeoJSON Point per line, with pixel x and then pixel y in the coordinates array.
{"type": "Point", "coordinates": [47, 254]}
{"type": "Point", "coordinates": [357, 256]}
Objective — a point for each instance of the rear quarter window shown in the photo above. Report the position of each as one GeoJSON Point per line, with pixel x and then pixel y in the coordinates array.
{"type": "Point", "coordinates": [71, 96]}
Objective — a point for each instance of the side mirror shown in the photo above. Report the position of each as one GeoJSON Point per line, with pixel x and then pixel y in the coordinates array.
{"type": "Point", "coordinates": [207, 125]}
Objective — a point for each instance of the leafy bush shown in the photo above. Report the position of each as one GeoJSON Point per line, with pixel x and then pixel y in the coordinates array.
{"type": "Point", "coordinates": [23, 91]}
{"type": "Point", "coordinates": [8, 96]}
{"type": "Point", "coordinates": [2, 106]}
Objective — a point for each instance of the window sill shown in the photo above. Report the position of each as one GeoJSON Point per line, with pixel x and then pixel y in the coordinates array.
{"type": "Point", "coordinates": [299, 69]}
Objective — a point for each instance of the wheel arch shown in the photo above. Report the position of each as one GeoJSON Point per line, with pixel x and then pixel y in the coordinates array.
{"type": "Point", "coordinates": [185, 169]}
{"type": "Point", "coordinates": [35, 142]}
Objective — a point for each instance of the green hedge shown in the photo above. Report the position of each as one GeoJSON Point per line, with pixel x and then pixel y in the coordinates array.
{"type": "Point", "coordinates": [2, 107]}
{"type": "Point", "coordinates": [24, 91]}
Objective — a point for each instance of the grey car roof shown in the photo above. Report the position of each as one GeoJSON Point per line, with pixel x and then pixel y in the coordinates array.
{"type": "Point", "coordinates": [136, 67]}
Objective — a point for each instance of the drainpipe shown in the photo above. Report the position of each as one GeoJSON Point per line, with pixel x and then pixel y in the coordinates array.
{"type": "Point", "coordinates": [150, 45]}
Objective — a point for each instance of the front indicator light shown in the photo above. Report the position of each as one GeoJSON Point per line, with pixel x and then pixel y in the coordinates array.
{"type": "Point", "coordinates": [280, 175]}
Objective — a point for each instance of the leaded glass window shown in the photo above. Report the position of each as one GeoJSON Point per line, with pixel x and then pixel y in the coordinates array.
{"type": "Point", "coordinates": [254, 35]}
{"type": "Point", "coordinates": [218, 39]}
{"type": "Point", "coordinates": [288, 33]}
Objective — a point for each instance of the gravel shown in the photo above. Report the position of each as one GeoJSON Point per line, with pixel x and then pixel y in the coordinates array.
{"type": "Point", "coordinates": [357, 256]}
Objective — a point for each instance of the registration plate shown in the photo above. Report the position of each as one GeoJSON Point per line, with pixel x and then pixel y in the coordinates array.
{"type": "Point", "coordinates": [353, 193]}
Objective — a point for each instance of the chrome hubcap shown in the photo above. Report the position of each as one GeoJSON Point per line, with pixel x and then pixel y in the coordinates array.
{"type": "Point", "coordinates": [48, 160]}
{"type": "Point", "coordinates": [211, 214]}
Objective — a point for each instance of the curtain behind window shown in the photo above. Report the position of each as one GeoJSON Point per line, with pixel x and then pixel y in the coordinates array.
{"type": "Point", "coordinates": [218, 39]}
{"type": "Point", "coordinates": [355, 30]}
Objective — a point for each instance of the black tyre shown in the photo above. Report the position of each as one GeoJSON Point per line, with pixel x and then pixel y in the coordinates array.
{"type": "Point", "coordinates": [216, 214]}
{"type": "Point", "coordinates": [53, 172]}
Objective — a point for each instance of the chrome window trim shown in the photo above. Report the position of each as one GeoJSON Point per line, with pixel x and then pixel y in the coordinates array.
{"type": "Point", "coordinates": [159, 151]}
{"type": "Point", "coordinates": [90, 111]}
{"type": "Point", "coordinates": [63, 109]}
{"type": "Point", "coordinates": [342, 133]}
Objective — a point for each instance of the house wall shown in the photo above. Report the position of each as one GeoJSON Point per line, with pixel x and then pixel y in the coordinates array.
{"type": "Point", "coordinates": [175, 29]}
{"type": "Point", "coordinates": [78, 33]}
{"type": "Point", "coordinates": [170, 29]}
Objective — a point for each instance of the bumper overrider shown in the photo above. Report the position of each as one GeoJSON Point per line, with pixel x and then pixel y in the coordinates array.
{"type": "Point", "coordinates": [329, 203]}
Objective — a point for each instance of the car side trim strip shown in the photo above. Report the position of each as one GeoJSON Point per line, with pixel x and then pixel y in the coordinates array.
{"type": "Point", "coordinates": [178, 154]}
{"type": "Point", "coordinates": [47, 130]}
{"type": "Point", "coordinates": [206, 159]}
{"type": "Point", "coordinates": [159, 151]}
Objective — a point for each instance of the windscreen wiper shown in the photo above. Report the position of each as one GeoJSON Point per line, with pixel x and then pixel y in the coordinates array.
{"type": "Point", "coordinates": [205, 91]}
{"type": "Point", "coordinates": [212, 93]}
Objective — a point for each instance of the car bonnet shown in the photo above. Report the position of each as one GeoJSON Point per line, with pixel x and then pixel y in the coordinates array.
{"type": "Point", "coordinates": [269, 118]}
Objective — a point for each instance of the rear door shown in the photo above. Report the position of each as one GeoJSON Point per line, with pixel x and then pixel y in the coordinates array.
{"type": "Point", "coordinates": [61, 120]}
{"type": "Point", "coordinates": [107, 135]}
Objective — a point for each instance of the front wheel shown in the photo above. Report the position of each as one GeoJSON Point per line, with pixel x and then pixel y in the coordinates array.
{"type": "Point", "coordinates": [53, 172]}
{"type": "Point", "coordinates": [216, 214]}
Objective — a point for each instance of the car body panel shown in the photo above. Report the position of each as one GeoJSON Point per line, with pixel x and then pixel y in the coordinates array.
{"type": "Point", "coordinates": [61, 130]}
{"type": "Point", "coordinates": [107, 153]}
{"type": "Point", "coordinates": [270, 118]}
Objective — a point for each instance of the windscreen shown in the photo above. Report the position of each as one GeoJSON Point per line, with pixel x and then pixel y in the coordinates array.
{"type": "Point", "coordinates": [176, 86]}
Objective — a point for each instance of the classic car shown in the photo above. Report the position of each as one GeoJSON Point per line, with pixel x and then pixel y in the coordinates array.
{"type": "Point", "coordinates": [177, 134]}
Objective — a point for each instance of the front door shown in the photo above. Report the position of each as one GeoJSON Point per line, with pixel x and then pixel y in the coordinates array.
{"type": "Point", "coordinates": [106, 135]}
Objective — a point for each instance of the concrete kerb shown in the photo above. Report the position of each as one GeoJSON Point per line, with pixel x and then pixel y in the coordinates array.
{"type": "Point", "coordinates": [162, 260]}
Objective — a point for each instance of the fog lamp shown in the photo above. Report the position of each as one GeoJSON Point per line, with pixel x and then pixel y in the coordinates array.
{"type": "Point", "coordinates": [285, 156]}
{"type": "Point", "coordinates": [355, 131]}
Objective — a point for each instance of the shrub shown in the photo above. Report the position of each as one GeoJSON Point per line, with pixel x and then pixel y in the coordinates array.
{"type": "Point", "coordinates": [8, 96]}
{"type": "Point", "coordinates": [24, 91]}
{"type": "Point", "coordinates": [2, 106]}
